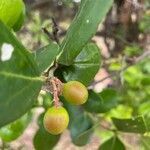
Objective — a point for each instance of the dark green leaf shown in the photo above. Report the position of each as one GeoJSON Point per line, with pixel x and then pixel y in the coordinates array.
{"type": "Point", "coordinates": [13, 130]}
{"type": "Point", "coordinates": [85, 66]}
{"type": "Point", "coordinates": [133, 125]}
{"type": "Point", "coordinates": [46, 55]}
{"type": "Point", "coordinates": [145, 80]}
{"type": "Point", "coordinates": [72, 110]}
{"type": "Point", "coordinates": [84, 26]}
{"type": "Point", "coordinates": [113, 143]}
{"type": "Point", "coordinates": [102, 102]}
{"type": "Point", "coordinates": [44, 140]}
{"type": "Point", "coordinates": [110, 98]}
{"type": "Point", "coordinates": [19, 83]}
{"type": "Point", "coordinates": [95, 103]}
{"type": "Point", "coordinates": [81, 130]}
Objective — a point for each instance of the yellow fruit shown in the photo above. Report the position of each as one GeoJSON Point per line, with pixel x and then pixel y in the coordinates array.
{"type": "Point", "coordinates": [75, 92]}
{"type": "Point", "coordinates": [56, 120]}
{"type": "Point", "coordinates": [11, 11]}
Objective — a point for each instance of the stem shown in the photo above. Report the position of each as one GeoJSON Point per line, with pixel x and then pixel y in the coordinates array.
{"type": "Point", "coordinates": [55, 93]}
{"type": "Point", "coordinates": [55, 31]}
{"type": "Point", "coordinates": [57, 90]}
{"type": "Point", "coordinates": [52, 36]}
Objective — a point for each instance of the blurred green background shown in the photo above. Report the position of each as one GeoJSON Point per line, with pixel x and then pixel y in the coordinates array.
{"type": "Point", "coordinates": [124, 40]}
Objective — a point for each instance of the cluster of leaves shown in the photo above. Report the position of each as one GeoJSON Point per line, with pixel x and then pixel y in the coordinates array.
{"type": "Point", "coordinates": [80, 60]}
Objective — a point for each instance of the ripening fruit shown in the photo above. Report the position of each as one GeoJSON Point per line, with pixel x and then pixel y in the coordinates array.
{"type": "Point", "coordinates": [75, 92]}
{"type": "Point", "coordinates": [12, 12]}
{"type": "Point", "coordinates": [56, 120]}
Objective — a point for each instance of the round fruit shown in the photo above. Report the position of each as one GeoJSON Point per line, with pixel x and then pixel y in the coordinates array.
{"type": "Point", "coordinates": [56, 120]}
{"type": "Point", "coordinates": [75, 92]}
{"type": "Point", "coordinates": [11, 12]}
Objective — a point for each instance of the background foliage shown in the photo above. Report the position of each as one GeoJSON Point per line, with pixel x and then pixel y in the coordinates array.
{"type": "Point", "coordinates": [120, 46]}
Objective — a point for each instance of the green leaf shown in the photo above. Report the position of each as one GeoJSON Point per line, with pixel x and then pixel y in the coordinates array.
{"type": "Point", "coordinates": [102, 102]}
{"type": "Point", "coordinates": [19, 83]}
{"type": "Point", "coordinates": [145, 143]}
{"type": "Point", "coordinates": [46, 55]}
{"type": "Point", "coordinates": [113, 143]}
{"type": "Point", "coordinates": [145, 65]}
{"type": "Point", "coordinates": [81, 130]}
{"type": "Point", "coordinates": [134, 125]}
{"type": "Point", "coordinates": [133, 76]}
{"type": "Point", "coordinates": [10, 11]}
{"type": "Point", "coordinates": [72, 110]}
{"type": "Point", "coordinates": [146, 80]}
{"type": "Point", "coordinates": [122, 111]}
{"type": "Point", "coordinates": [95, 103]}
{"type": "Point", "coordinates": [133, 50]}
{"type": "Point", "coordinates": [84, 26]}
{"type": "Point", "coordinates": [144, 109]}
{"type": "Point", "coordinates": [110, 98]}
{"type": "Point", "coordinates": [144, 24]}
{"type": "Point", "coordinates": [20, 20]}
{"type": "Point", "coordinates": [115, 66]}
{"type": "Point", "coordinates": [103, 134]}
{"type": "Point", "coordinates": [44, 140]}
{"type": "Point", "coordinates": [85, 66]}
{"type": "Point", "coordinates": [47, 100]}
{"type": "Point", "coordinates": [13, 130]}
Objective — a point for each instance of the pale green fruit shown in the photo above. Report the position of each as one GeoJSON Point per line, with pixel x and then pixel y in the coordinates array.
{"type": "Point", "coordinates": [56, 120]}
{"type": "Point", "coordinates": [75, 92]}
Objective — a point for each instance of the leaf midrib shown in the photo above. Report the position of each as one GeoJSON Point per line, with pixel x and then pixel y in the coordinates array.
{"type": "Point", "coordinates": [20, 76]}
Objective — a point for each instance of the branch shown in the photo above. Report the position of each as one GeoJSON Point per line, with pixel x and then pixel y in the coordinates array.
{"type": "Point", "coordinates": [146, 54]}
{"type": "Point", "coordinates": [134, 61]}
{"type": "Point", "coordinates": [54, 34]}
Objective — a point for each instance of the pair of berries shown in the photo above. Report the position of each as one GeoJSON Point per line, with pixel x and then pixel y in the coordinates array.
{"type": "Point", "coordinates": [56, 119]}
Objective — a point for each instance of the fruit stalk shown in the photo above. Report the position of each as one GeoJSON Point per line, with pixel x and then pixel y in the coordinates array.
{"type": "Point", "coordinates": [57, 90]}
